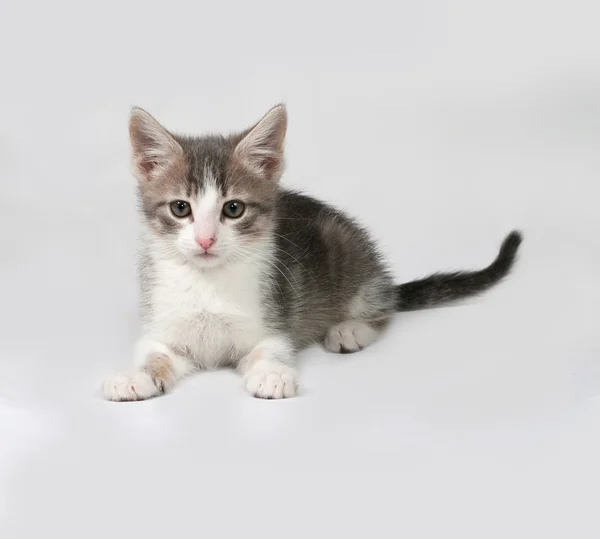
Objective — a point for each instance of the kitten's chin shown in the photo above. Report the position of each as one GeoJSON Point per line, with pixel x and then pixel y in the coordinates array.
{"type": "Point", "coordinates": [207, 260]}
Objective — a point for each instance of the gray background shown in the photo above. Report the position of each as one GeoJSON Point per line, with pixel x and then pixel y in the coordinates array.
{"type": "Point", "coordinates": [442, 126]}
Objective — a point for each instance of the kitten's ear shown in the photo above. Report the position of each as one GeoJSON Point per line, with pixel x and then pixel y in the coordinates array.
{"type": "Point", "coordinates": [261, 149]}
{"type": "Point", "coordinates": [155, 151]}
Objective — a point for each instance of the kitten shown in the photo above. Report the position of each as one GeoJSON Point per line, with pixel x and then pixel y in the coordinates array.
{"type": "Point", "coordinates": [237, 271]}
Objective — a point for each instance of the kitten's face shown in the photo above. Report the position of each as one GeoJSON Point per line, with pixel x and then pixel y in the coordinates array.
{"type": "Point", "coordinates": [210, 198]}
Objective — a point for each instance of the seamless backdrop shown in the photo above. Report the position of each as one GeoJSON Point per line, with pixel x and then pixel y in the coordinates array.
{"type": "Point", "coordinates": [441, 126]}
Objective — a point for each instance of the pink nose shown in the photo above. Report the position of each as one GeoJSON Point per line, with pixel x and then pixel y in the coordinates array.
{"type": "Point", "coordinates": [206, 243]}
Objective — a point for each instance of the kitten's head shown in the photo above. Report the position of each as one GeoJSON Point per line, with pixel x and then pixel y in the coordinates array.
{"type": "Point", "coordinates": [208, 198]}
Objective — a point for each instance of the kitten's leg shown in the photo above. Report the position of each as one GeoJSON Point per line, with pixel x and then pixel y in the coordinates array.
{"type": "Point", "coordinates": [268, 371]}
{"type": "Point", "coordinates": [157, 368]}
{"type": "Point", "coordinates": [352, 335]}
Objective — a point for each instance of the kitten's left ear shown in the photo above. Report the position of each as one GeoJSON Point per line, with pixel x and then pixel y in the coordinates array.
{"type": "Point", "coordinates": [261, 149]}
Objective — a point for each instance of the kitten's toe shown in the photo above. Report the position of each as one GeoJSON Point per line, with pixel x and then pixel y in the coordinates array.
{"type": "Point", "coordinates": [130, 387]}
{"type": "Point", "coordinates": [272, 384]}
{"type": "Point", "coordinates": [350, 336]}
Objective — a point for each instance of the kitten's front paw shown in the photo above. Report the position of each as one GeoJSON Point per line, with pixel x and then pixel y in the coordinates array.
{"type": "Point", "coordinates": [276, 384]}
{"type": "Point", "coordinates": [125, 386]}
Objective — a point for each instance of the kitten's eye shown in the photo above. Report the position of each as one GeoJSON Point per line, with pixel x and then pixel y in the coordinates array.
{"type": "Point", "coordinates": [234, 209]}
{"type": "Point", "coordinates": [180, 209]}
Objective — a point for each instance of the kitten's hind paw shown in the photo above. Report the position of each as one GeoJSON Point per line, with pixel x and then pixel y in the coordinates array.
{"type": "Point", "coordinates": [349, 336]}
{"type": "Point", "coordinates": [135, 386]}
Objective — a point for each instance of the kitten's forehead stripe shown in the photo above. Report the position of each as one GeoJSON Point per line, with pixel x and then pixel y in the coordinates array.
{"type": "Point", "coordinates": [207, 157]}
{"type": "Point", "coordinates": [208, 198]}
{"type": "Point", "coordinates": [209, 176]}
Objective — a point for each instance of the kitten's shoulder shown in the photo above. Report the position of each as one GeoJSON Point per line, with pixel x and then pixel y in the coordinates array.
{"type": "Point", "coordinates": [295, 210]}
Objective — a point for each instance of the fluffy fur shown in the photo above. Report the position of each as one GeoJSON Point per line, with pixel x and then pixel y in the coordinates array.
{"type": "Point", "coordinates": [251, 290]}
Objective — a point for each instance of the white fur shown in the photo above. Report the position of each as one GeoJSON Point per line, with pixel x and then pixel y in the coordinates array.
{"type": "Point", "coordinates": [272, 382]}
{"type": "Point", "coordinates": [138, 384]}
{"type": "Point", "coordinates": [207, 210]}
{"type": "Point", "coordinates": [216, 317]}
{"type": "Point", "coordinates": [268, 374]}
{"type": "Point", "coordinates": [214, 314]}
{"type": "Point", "coordinates": [351, 335]}
{"type": "Point", "coordinates": [146, 349]}
{"type": "Point", "coordinates": [133, 386]}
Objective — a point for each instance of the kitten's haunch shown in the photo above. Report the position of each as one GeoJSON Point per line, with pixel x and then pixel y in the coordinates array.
{"type": "Point", "coordinates": [237, 271]}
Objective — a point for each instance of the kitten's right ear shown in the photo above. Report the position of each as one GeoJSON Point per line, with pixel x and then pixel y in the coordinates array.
{"type": "Point", "coordinates": [155, 151]}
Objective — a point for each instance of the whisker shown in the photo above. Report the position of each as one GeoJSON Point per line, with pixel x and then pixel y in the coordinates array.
{"type": "Point", "coordinates": [272, 280]}
{"type": "Point", "coordinates": [290, 241]}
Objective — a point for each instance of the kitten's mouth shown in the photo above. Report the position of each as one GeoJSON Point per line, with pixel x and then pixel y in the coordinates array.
{"type": "Point", "coordinates": [206, 255]}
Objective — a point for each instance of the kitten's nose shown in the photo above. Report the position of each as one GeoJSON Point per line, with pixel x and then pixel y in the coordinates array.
{"type": "Point", "coordinates": [205, 243]}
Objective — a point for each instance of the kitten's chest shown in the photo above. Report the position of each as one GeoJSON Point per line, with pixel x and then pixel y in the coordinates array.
{"type": "Point", "coordinates": [213, 316]}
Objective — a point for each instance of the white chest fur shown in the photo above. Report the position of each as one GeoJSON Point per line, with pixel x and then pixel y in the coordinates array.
{"type": "Point", "coordinates": [215, 315]}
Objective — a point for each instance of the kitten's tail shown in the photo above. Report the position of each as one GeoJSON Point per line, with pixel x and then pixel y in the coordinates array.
{"type": "Point", "coordinates": [446, 287]}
